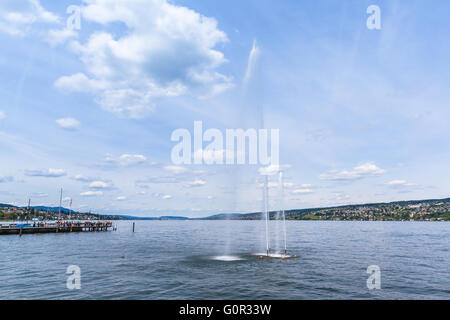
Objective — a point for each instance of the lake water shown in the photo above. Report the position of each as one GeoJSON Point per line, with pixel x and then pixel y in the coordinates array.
{"type": "Point", "coordinates": [213, 260]}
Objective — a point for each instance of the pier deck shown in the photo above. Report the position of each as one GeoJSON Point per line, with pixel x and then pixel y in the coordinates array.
{"type": "Point", "coordinates": [56, 228]}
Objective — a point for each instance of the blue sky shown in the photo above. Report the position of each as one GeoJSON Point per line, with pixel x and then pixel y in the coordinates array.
{"type": "Point", "coordinates": [363, 114]}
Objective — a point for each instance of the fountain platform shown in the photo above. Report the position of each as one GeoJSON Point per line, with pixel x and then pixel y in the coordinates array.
{"type": "Point", "coordinates": [281, 256]}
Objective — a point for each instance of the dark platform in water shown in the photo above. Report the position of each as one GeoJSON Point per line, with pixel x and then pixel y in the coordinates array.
{"type": "Point", "coordinates": [281, 256]}
{"type": "Point", "coordinates": [74, 227]}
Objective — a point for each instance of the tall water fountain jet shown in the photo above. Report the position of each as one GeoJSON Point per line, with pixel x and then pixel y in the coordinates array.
{"type": "Point", "coordinates": [281, 219]}
{"type": "Point", "coordinates": [253, 105]}
{"type": "Point", "coordinates": [283, 215]}
{"type": "Point", "coordinates": [266, 212]}
{"type": "Point", "coordinates": [253, 95]}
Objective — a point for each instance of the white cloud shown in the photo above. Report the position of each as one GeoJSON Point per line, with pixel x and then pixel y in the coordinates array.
{"type": "Point", "coordinates": [59, 36]}
{"type": "Point", "coordinates": [100, 185]}
{"type": "Point", "coordinates": [91, 193]}
{"type": "Point", "coordinates": [121, 198]}
{"type": "Point", "coordinates": [20, 23]}
{"type": "Point", "coordinates": [367, 169]}
{"type": "Point", "coordinates": [2, 115]}
{"type": "Point", "coordinates": [68, 123]}
{"type": "Point", "coordinates": [167, 50]}
{"type": "Point", "coordinates": [175, 169]}
{"type": "Point", "coordinates": [80, 177]}
{"type": "Point", "coordinates": [126, 160]}
{"type": "Point", "coordinates": [197, 183]}
{"type": "Point", "coordinates": [131, 159]}
{"type": "Point", "coordinates": [41, 14]}
{"type": "Point", "coordinates": [400, 183]}
{"type": "Point", "coordinates": [79, 82]}
{"type": "Point", "coordinates": [49, 173]}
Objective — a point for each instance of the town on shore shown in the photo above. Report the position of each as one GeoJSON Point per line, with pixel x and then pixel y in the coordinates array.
{"type": "Point", "coordinates": [414, 210]}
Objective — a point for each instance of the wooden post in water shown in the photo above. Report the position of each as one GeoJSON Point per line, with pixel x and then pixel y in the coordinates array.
{"type": "Point", "coordinates": [133, 226]}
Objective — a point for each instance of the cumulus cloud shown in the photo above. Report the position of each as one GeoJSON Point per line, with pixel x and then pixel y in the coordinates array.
{"type": "Point", "coordinates": [197, 183]}
{"type": "Point", "coordinates": [400, 183]}
{"type": "Point", "coordinates": [100, 185]}
{"type": "Point", "coordinates": [48, 173]}
{"type": "Point", "coordinates": [126, 160]}
{"type": "Point", "coordinates": [20, 24]}
{"type": "Point", "coordinates": [121, 198]}
{"type": "Point", "coordinates": [367, 169]}
{"type": "Point", "coordinates": [79, 82]}
{"type": "Point", "coordinates": [91, 193]}
{"type": "Point", "coordinates": [167, 50]}
{"type": "Point", "coordinates": [176, 169]}
{"type": "Point", "coordinates": [82, 178]}
{"type": "Point", "coordinates": [68, 123]}
{"type": "Point", "coordinates": [59, 36]}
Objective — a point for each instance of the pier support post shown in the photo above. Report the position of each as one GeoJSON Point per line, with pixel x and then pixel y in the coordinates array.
{"type": "Point", "coordinates": [133, 226]}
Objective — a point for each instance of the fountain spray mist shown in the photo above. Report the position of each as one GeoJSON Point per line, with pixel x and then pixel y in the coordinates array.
{"type": "Point", "coordinates": [254, 106]}
{"type": "Point", "coordinates": [281, 187]}
{"type": "Point", "coordinates": [266, 211]}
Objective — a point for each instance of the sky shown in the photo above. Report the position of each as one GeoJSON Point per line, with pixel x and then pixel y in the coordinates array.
{"type": "Point", "coordinates": [362, 114]}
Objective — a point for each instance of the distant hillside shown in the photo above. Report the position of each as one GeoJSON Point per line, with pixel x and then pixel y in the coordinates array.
{"type": "Point", "coordinates": [431, 210]}
{"type": "Point", "coordinates": [4, 205]}
{"type": "Point", "coordinates": [52, 209]}
{"type": "Point", "coordinates": [434, 209]}
{"type": "Point", "coordinates": [51, 213]}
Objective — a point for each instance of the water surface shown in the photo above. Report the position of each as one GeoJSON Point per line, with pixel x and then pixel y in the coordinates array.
{"type": "Point", "coordinates": [213, 260]}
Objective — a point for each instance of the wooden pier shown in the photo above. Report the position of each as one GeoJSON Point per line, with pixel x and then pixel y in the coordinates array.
{"type": "Point", "coordinates": [55, 228]}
